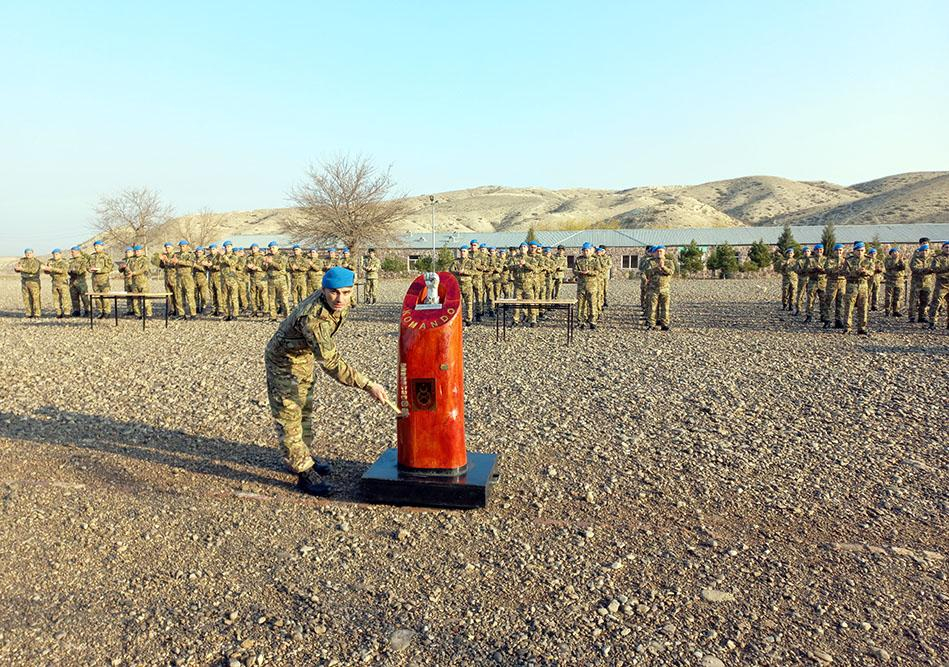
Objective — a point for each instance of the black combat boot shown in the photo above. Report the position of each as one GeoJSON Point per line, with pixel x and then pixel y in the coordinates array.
{"type": "Point", "coordinates": [807, 320]}
{"type": "Point", "coordinates": [664, 327]}
{"type": "Point", "coordinates": [863, 332]}
{"type": "Point", "coordinates": [839, 325]}
{"type": "Point", "coordinates": [322, 468]}
{"type": "Point", "coordinates": [310, 482]}
{"type": "Point", "coordinates": [827, 324]}
{"type": "Point", "coordinates": [592, 326]}
{"type": "Point", "coordinates": [932, 325]}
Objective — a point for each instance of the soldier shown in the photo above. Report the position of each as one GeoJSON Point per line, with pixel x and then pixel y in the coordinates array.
{"type": "Point", "coordinates": [560, 270]}
{"type": "Point", "coordinates": [29, 269]}
{"type": "Point", "coordinates": [126, 281]}
{"type": "Point", "coordinates": [243, 275]}
{"type": "Point", "coordinates": [661, 270]}
{"type": "Point", "coordinates": [586, 269]}
{"type": "Point", "coordinates": [816, 284]}
{"type": "Point", "coordinates": [303, 339]}
{"type": "Point", "coordinates": [835, 268]}
{"type": "Point", "coordinates": [895, 281]}
{"type": "Point", "coordinates": [940, 299]}
{"type": "Point", "coordinates": [78, 287]}
{"type": "Point", "coordinates": [184, 262]}
{"type": "Point", "coordinates": [276, 266]}
{"type": "Point", "coordinates": [505, 280]}
{"type": "Point", "coordinates": [202, 292]}
{"type": "Point", "coordinates": [257, 272]}
{"type": "Point", "coordinates": [314, 276]}
{"type": "Point", "coordinates": [299, 265]}
{"type": "Point", "coordinates": [230, 282]}
{"type": "Point", "coordinates": [463, 268]}
{"type": "Point", "coordinates": [495, 265]}
{"type": "Point", "coordinates": [801, 270]}
{"type": "Point", "coordinates": [788, 279]}
{"type": "Point", "coordinates": [644, 280]}
{"type": "Point", "coordinates": [137, 270]}
{"type": "Point", "coordinates": [921, 281]}
{"type": "Point", "coordinates": [370, 269]}
{"type": "Point", "coordinates": [477, 279]}
{"type": "Point", "coordinates": [858, 271]}
{"type": "Point", "coordinates": [58, 269]}
{"type": "Point", "coordinates": [607, 263]}
{"type": "Point", "coordinates": [101, 267]}
{"type": "Point", "coordinates": [522, 270]}
{"type": "Point", "coordinates": [348, 262]}
{"type": "Point", "coordinates": [164, 261]}
{"type": "Point", "coordinates": [877, 276]}
{"type": "Point", "coordinates": [213, 265]}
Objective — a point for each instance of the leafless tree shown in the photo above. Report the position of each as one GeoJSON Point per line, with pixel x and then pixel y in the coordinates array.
{"type": "Point", "coordinates": [199, 228]}
{"type": "Point", "coordinates": [345, 199]}
{"type": "Point", "coordinates": [132, 216]}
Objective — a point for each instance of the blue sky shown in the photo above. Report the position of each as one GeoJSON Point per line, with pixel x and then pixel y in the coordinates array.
{"type": "Point", "coordinates": [224, 105]}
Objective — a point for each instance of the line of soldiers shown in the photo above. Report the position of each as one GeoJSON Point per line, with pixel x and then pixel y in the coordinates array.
{"type": "Point", "coordinates": [222, 280]}
{"type": "Point", "coordinates": [846, 283]}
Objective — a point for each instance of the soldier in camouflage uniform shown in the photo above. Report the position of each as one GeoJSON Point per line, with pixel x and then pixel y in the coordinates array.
{"type": "Point", "coordinates": [138, 272]}
{"type": "Point", "coordinates": [522, 269]}
{"type": "Point", "coordinates": [606, 262]}
{"type": "Point", "coordinates": [78, 287]}
{"type": "Point", "coordinates": [463, 268]}
{"type": "Point", "coordinates": [835, 268]}
{"type": "Point", "coordinates": [101, 267]}
{"type": "Point", "coordinates": [894, 282]}
{"type": "Point", "coordinates": [801, 270]}
{"type": "Point", "coordinates": [370, 268]}
{"type": "Point", "coordinates": [506, 284]}
{"type": "Point", "coordinates": [165, 261]}
{"type": "Point", "coordinates": [876, 278]}
{"type": "Point", "coordinates": [243, 293]}
{"type": "Point", "coordinates": [477, 279]}
{"type": "Point", "coordinates": [276, 265]}
{"type": "Point", "coordinates": [940, 298]}
{"type": "Point", "coordinates": [58, 269]}
{"type": "Point", "coordinates": [348, 262]}
{"type": "Point", "coordinates": [644, 280]}
{"type": "Point", "coordinates": [304, 339]}
{"type": "Point", "coordinates": [298, 265]}
{"type": "Point", "coordinates": [257, 272]}
{"type": "Point", "coordinates": [230, 281]}
{"type": "Point", "coordinates": [787, 268]}
{"type": "Point", "coordinates": [859, 269]}
{"type": "Point", "coordinates": [184, 262]}
{"type": "Point", "coordinates": [202, 291]}
{"type": "Point", "coordinates": [921, 282]}
{"type": "Point", "coordinates": [126, 281]}
{"type": "Point", "coordinates": [586, 268]}
{"type": "Point", "coordinates": [314, 276]}
{"type": "Point", "coordinates": [213, 265]}
{"type": "Point", "coordinates": [29, 269]}
{"type": "Point", "coordinates": [816, 283]}
{"type": "Point", "coordinates": [661, 270]}
{"type": "Point", "coordinates": [560, 271]}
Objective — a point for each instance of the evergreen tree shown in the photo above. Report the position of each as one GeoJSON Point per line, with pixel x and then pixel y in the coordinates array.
{"type": "Point", "coordinates": [760, 254]}
{"type": "Point", "coordinates": [828, 238]}
{"type": "Point", "coordinates": [690, 258]}
{"type": "Point", "coordinates": [723, 259]}
{"type": "Point", "coordinates": [786, 240]}
{"type": "Point", "coordinates": [531, 234]}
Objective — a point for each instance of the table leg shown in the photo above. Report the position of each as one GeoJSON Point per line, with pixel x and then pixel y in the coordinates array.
{"type": "Point", "coordinates": [115, 302]}
{"type": "Point", "coordinates": [92, 313]}
{"type": "Point", "coordinates": [497, 326]}
{"type": "Point", "coordinates": [166, 311]}
{"type": "Point", "coordinates": [141, 306]}
{"type": "Point", "coordinates": [504, 323]}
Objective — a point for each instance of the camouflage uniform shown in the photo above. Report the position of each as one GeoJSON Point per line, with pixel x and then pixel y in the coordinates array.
{"type": "Point", "coordinates": [202, 291]}
{"type": "Point", "coordinates": [858, 272]}
{"type": "Point", "coordinates": [507, 277]}
{"type": "Point", "coordinates": [214, 278]}
{"type": "Point", "coordinates": [940, 295]}
{"type": "Point", "coordinates": [276, 284]}
{"type": "Point", "coordinates": [370, 267]}
{"type": "Point", "coordinates": [126, 280]}
{"type": "Point", "coordinates": [894, 283]}
{"type": "Point", "coordinates": [607, 263]}
{"type": "Point", "coordinates": [816, 286]}
{"type": "Point", "coordinates": [560, 270]}
{"type": "Point", "coordinates": [463, 268]}
{"type": "Point", "coordinates": [348, 263]}
{"type": "Point", "coordinates": [103, 265]}
{"type": "Point", "coordinates": [660, 278]}
{"type": "Point", "coordinates": [477, 283]}
{"type": "Point", "coordinates": [644, 282]}
{"type": "Point", "coordinates": [314, 276]}
{"type": "Point", "coordinates": [185, 263]}
{"type": "Point", "coordinates": [258, 284]}
{"type": "Point", "coordinates": [586, 270]}
{"type": "Point", "coordinates": [875, 279]}
{"type": "Point", "coordinates": [788, 272]}
{"type": "Point", "coordinates": [303, 339]}
{"type": "Point", "coordinates": [29, 270]}
{"type": "Point", "coordinates": [58, 269]}
{"type": "Point", "coordinates": [230, 281]}
{"type": "Point", "coordinates": [299, 266]}
{"type": "Point", "coordinates": [243, 292]}
{"type": "Point", "coordinates": [801, 270]}
{"type": "Point", "coordinates": [920, 285]}
{"type": "Point", "coordinates": [138, 272]}
{"type": "Point", "coordinates": [835, 267]}
{"type": "Point", "coordinates": [171, 282]}
{"type": "Point", "coordinates": [78, 287]}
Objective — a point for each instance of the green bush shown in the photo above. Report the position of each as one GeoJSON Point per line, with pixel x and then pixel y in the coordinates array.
{"type": "Point", "coordinates": [690, 258]}
{"type": "Point", "coordinates": [723, 259]}
{"type": "Point", "coordinates": [393, 265]}
{"type": "Point", "coordinates": [443, 261]}
{"type": "Point", "coordinates": [760, 254]}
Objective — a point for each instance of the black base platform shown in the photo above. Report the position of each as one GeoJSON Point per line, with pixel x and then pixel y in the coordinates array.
{"type": "Point", "coordinates": [385, 483]}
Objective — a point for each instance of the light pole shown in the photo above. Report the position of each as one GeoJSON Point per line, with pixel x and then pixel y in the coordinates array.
{"type": "Point", "coordinates": [434, 202]}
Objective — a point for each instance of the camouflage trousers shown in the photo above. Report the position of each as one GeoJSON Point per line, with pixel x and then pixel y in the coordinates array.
{"type": "Point", "coordinates": [918, 299]}
{"type": "Point", "coordinates": [231, 304]}
{"type": "Point", "coordinates": [940, 301]}
{"type": "Point", "coordinates": [835, 294]}
{"type": "Point", "coordinates": [258, 296]}
{"type": "Point", "coordinates": [217, 291]}
{"type": "Point", "coordinates": [243, 294]}
{"type": "Point", "coordinates": [202, 293]}
{"type": "Point", "coordinates": [186, 293]}
{"type": "Point", "coordinates": [61, 297]}
{"type": "Point", "coordinates": [555, 287]}
{"type": "Point", "coordinates": [140, 286]}
{"type": "Point", "coordinates": [508, 290]}
{"type": "Point", "coordinates": [174, 301]}
{"type": "Point", "coordinates": [102, 284]}
{"type": "Point", "coordinates": [290, 394]}
{"type": "Point", "coordinates": [788, 292]}
{"type": "Point", "coordinates": [657, 310]}
{"type": "Point", "coordinates": [493, 290]}
{"type": "Point", "coordinates": [874, 292]}
{"type": "Point", "coordinates": [858, 296]}
{"type": "Point", "coordinates": [31, 297]}
{"type": "Point", "coordinates": [467, 301]}
{"type": "Point", "coordinates": [587, 303]}
{"type": "Point", "coordinates": [893, 297]}
{"type": "Point", "coordinates": [277, 292]}
{"type": "Point", "coordinates": [477, 288]}
{"type": "Point", "coordinates": [604, 286]}
{"type": "Point", "coordinates": [801, 291]}
{"type": "Point", "coordinates": [371, 290]}
{"type": "Point", "coordinates": [815, 296]}
{"type": "Point", "coordinates": [298, 288]}
{"type": "Point", "coordinates": [127, 286]}
{"type": "Point", "coordinates": [77, 294]}
{"type": "Point", "coordinates": [525, 291]}
{"type": "Point", "coordinates": [314, 281]}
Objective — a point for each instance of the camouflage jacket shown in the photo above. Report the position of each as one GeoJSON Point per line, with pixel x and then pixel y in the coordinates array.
{"type": "Point", "coordinates": [560, 266]}
{"type": "Point", "coordinates": [298, 266]}
{"type": "Point", "coordinates": [276, 266]}
{"type": "Point", "coordinates": [940, 268]}
{"type": "Point", "coordinates": [463, 269]}
{"type": "Point", "coordinates": [58, 269]}
{"type": "Point", "coordinates": [835, 268]}
{"type": "Point", "coordinates": [256, 268]}
{"type": "Point", "coordinates": [29, 269]}
{"type": "Point", "coordinates": [371, 266]}
{"type": "Point", "coordinates": [228, 266]}
{"type": "Point", "coordinates": [586, 269]}
{"type": "Point", "coordinates": [102, 263]}
{"type": "Point", "coordinates": [660, 273]}
{"type": "Point", "coordinates": [310, 329]}
{"type": "Point", "coordinates": [859, 269]}
{"type": "Point", "coordinates": [138, 266]}
{"type": "Point", "coordinates": [919, 266]}
{"type": "Point", "coordinates": [895, 267]}
{"type": "Point", "coordinates": [78, 268]}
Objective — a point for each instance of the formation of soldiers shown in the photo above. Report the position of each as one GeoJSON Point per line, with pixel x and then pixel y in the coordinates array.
{"type": "Point", "coordinates": [847, 284]}
{"type": "Point", "coordinates": [220, 280]}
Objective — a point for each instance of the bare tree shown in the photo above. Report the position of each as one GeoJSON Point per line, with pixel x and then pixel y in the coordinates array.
{"type": "Point", "coordinates": [131, 217]}
{"type": "Point", "coordinates": [199, 228]}
{"type": "Point", "coordinates": [345, 199]}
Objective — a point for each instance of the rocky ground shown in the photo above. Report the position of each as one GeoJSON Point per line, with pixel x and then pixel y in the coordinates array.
{"type": "Point", "coordinates": [741, 490]}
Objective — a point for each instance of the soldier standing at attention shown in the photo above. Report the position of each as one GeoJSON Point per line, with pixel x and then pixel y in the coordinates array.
{"type": "Point", "coordinates": [166, 264]}
{"type": "Point", "coordinates": [101, 267]}
{"type": "Point", "coordinates": [126, 281]}
{"type": "Point", "coordinates": [243, 293]}
{"type": "Point", "coordinates": [801, 270]}
{"type": "Point", "coordinates": [607, 262]}
{"type": "Point", "coordinates": [477, 279]}
{"type": "Point", "coordinates": [788, 280]}
{"type": "Point", "coordinates": [58, 269]}
{"type": "Point", "coordinates": [304, 339]}
{"type": "Point", "coordinates": [314, 275]}
{"type": "Point", "coordinates": [213, 265]}
{"type": "Point", "coordinates": [276, 265]}
{"type": "Point", "coordinates": [463, 269]}
{"type": "Point", "coordinates": [560, 270]}
{"type": "Point", "coordinates": [138, 273]}
{"type": "Point", "coordinates": [78, 287]}
{"type": "Point", "coordinates": [816, 283]}
{"type": "Point", "coordinates": [859, 269]}
{"type": "Point", "coordinates": [661, 270]}
{"type": "Point", "coordinates": [184, 262]}
{"type": "Point", "coordinates": [835, 267]}
{"type": "Point", "coordinates": [506, 284]}
{"type": "Point", "coordinates": [29, 269]}
{"type": "Point", "coordinates": [230, 282]}
{"type": "Point", "coordinates": [940, 299]}
{"type": "Point", "coordinates": [877, 276]}
{"type": "Point", "coordinates": [644, 280]}
{"type": "Point", "coordinates": [257, 271]}
{"type": "Point", "coordinates": [495, 265]}
{"type": "Point", "coordinates": [894, 282]}
{"type": "Point", "coordinates": [349, 263]}
{"type": "Point", "coordinates": [586, 268]}
{"type": "Point", "coordinates": [921, 282]}
{"type": "Point", "coordinates": [370, 269]}
{"type": "Point", "coordinates": [299, 265]}
{"type": "Point", "coordinates": [202, 294]}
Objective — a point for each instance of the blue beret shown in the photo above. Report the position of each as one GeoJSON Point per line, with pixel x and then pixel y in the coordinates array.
{"type": "Point", "coordinates": [534, 243]}
{"type": "Point", "coordinates": [945, 243]}
{"type": "Point", "coordinates": [789, 251]}
{"type": "Point", "coordinates": [254, 245]}
{"type": "Point", "coordinates": [26, 250]}
{"type": "Point", "coordinates": [136, 247]}
{"type": "Point", "coordinates": [345, 249]}
{"type": "Point", "coordinates": [272, 244]}
{"type": "Point", "coordinates": [296, 246]}
{"type": "Point", "coordinates": [200, 247]}
{"type": "Point", "coordinates": [230, 243]}
{"type": "Point", "coordinates": [237, 249]}
{"type": "Point", "coordinates": [127, 248]}
{"type": "Point", "coordinates": [167, 244]}
{"type": "Point", "coordinates": [586, 245]}
{"type": "Point", "coordinates": [75, 247]}
{"type": "Point", "coordinates": [55, 250]}
{"type": "Point", "coordinates": [838, 246]}
{"type": "Point", "coordinates": [213, 245]}
{"type": "Point", "coordinates": [98, 243]}
{"type": "Point", "coordinates": [491, 247]}
{"type": "Point", "coordinates": [804, 248]}
{"type": "Point", "coordinates": [473, 241]}
{"type": "Point", "coordinates": [546, 248]}
{"type": "Point", "coordinates": [857, 245]}
{"type": "Point", "coordinates": [818, 246]}
{"type": "Point", "coordinates": [523, 244]}
{"type": "Point", "coordinates": [464, 247]}
{"type": "Point", "coordinates": [338, 277]}
{"type": "Point", "coordinates": [650, 248]}
{"type": "Point", "coordinates": [658, 247]}
{"type": "Point", "coordinates": [925, 246]}
{"type": "Point", "coordinates": [872, 251]}
{"type": "Point", "coordinates": [892, 250]}
{"type": "Point", "coordinates": [182, 242]}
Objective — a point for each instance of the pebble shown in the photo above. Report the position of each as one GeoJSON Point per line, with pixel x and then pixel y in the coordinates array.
{"type": "Point", "coordinates": [401, 639]}
{"type": "Point", "coordinates": [712, 595]}
{"type": "Point", "coordinates": [711, 661]}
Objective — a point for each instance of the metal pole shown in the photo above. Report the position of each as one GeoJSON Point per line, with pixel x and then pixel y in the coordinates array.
{"type": "Point", "coordinates": [431, 198]}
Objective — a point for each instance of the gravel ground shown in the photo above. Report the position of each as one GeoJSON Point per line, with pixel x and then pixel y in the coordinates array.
{"type": "Point", "coordinates": [741, 490]}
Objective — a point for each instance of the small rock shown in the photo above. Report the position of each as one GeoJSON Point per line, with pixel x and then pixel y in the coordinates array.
{"type": "Point", "coordinates": [880, 654]}
{"type": "Point", "coordinates": [712, 595]}
{"type": "Point", "coordinates": [712, 661]}
{"type": "Point", "coordinates": [401, 639]}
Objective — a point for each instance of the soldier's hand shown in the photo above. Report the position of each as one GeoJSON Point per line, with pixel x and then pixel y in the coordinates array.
{"type": "Point", "coordinates": [378, 392]}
